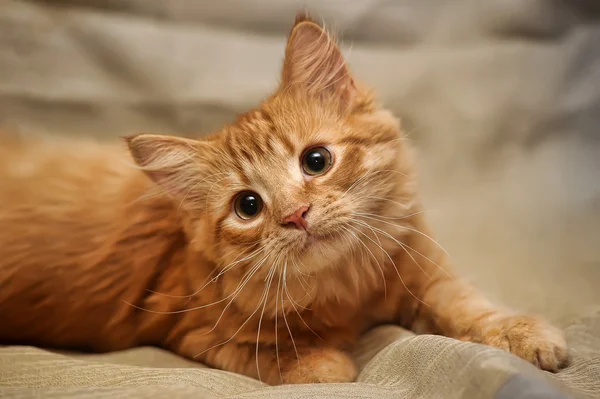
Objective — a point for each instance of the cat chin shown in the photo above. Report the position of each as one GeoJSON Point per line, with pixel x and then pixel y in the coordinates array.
{"type": "Point", "coordinates": [322, 253]}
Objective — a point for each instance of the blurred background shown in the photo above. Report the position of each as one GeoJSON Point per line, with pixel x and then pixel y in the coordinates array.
{"type": "Point", "coordinates": [501, 98]}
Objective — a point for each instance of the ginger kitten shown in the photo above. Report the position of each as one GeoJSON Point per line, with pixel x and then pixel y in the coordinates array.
{"type": "Point", "coordinates": [265, 249]}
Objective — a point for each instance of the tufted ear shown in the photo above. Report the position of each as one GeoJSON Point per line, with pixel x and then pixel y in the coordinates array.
{"type": "Point", "coordinates": [173, 163]}
{"type": "Point", "coordinates": [313, 60]}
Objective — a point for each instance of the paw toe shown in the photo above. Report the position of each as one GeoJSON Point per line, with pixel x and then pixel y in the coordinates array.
{"type": "Point", "coordinates": [531, 339]}
{"type": "Point", "coordinates": [324, 366]}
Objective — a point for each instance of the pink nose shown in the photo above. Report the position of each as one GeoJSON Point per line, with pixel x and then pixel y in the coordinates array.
{"type": "Point", "coordinates": [297, 219]}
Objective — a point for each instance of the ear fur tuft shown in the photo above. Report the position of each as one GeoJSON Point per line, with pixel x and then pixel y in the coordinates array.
{"type": "Point", "coordinates": [313, 61]}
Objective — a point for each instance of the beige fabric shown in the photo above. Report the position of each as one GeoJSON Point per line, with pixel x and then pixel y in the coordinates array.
{"type": "Point", "coordinates": [394, 363]}
{"type": "Point", "coordinates": [501, 97]}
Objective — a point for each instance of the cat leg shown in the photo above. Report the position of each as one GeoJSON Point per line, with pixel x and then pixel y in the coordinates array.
{"type": "Point", "coordinates": [320, 365]}
{"type": "Point", "coordinates": [457, 310]}
{"type": "Point", "coordinates": [448, 306]}
{"type": "Point", "coordinates": [276, 365]}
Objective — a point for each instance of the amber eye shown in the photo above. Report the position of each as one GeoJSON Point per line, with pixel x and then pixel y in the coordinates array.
{"type": "Point", "coordinates": [316, 161]}
{"type": "Point", "coordinates": [247, 205]}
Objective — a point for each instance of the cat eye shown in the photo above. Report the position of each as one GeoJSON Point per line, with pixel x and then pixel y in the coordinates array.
{"type": "Point", "coordinates": [316, 161]}
{"type": "Point", "coordinates": [247, 205]}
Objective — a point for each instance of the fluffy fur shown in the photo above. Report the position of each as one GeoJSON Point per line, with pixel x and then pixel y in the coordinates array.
{"type": "Point", "coordinates": [99, 254]}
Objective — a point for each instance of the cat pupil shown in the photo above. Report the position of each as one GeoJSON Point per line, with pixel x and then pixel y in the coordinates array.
{"type": "Point", "coordinates": [249, 205]}
{"type": "Point", "coordinates": [315, 161]}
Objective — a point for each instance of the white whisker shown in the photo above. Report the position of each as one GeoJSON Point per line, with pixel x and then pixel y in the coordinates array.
{"type": "Point", "coordinates": [271, 273]}
{"type": "Point", "coordinates": [376, 260]}
{"type": "Point", "coordinates": [262, 298]}
{"type": "Point", "coordinates": [410, 229]}
{"type": "Point", "coordinates": [298, 313]}
{"type": "Point", "coordinates": [276, 332]}
{"type": "Point", "coordinates": [355, 183]}
{"type": "Point", "coordinates": [284, 313]}
{"type": "Point", "coordinates": [239, 288]}
{"type": "Point", "coordinates": [390, 217]}
{"type": "Point", "coordinates": [393, 264]}
{"type": "Point", "coordinates": [214, 279]}
{"type": "Point", "coordinates": [407, 246]}
{"type": "Point", "coordinates": [303, 283]}
{"type": "Point", "coordinates": [397, 242]}
{"type": "Point", "coordinates": [390, 200]}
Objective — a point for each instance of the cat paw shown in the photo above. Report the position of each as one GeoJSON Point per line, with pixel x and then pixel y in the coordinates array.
{"type": "Point", "coordinates": [528, 337]}
{"type": "Point", "coordinates": [321, 366]}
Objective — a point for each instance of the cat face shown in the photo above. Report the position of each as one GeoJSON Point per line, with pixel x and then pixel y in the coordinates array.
{"type": "Point", "coordinates": [294, 181]}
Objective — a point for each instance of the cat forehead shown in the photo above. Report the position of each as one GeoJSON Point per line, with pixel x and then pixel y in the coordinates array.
{"type": "Point", "coordinates": [266, 158]}
{"type": "Point", "coordinates": [267, 143]}
{"type": "Point", "coordinates": [271, 160]}
{"type": "Point", "coordinates": [266, 136]}
{"type": "Point", "coordinates": [287, 115]}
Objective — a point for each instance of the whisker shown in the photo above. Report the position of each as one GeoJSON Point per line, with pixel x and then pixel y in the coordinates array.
{"type": "Point", "coordinates": [234, 263]}
{"type": "Point", "coordinates": [394, 264]}
{"type": "Point", "coordinates": [284, 312]}
{"type": "Point", "coordinates": [263, 297]}
{"type": "Point", "coordinates": [174, 311]}
{"type": "Point", "coordinates": [426, 258]}
{"type": "Point", "coordinates": [234, 294]}
{"type": "Point", "coordinates": [408, 247]}
{"type": "Point", "coordinates": [214, 279]}
{"type": "Point", "coordinates": [369, 173]}
{"type": "Point", "coordinates": [392, 171]}
{"type": "Point", "coordinates": [301, 275]}
{"type": "Point", "coordinates": [298, 313]}
{"type": "Point", "coordinates": [272, 273]}
{"type": "Point", "coordinates": [397, 242]}
{"type": "Point", "coordinates": [406, 138]}
{"type": "Point", "coordinates": [410, 229]}
{"type": "Point", "coordinates": [350, 255]}
{"type": "Point", "coordinates": [355, 183]}
{"type": "Point", "coordinates": [302, 281]}
{"type": "Point", "coordinates": [388, 199]}
{"type": "Point", "coordinates": [372, 231]}
{"type": "Point", "coordinates": [239, 289]}
{"type": "Point", "coordinates": [376, 260]}
{"type": "Point", "coordinates": [390, 217]}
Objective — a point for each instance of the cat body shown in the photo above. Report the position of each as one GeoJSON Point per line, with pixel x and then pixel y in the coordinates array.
{"type": "Point", "coordinates": [264, 249]}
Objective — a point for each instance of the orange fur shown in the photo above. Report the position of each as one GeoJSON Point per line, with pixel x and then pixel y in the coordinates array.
{"type": "Point", "coordinates": [97, 253]}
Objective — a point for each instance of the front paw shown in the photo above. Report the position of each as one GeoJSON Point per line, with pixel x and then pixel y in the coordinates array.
{"type": "Point", "coordinates": [528, 337]}
{"type": "Point", "coordinates": [321, 366]}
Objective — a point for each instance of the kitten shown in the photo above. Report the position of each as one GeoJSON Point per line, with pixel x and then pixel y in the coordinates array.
{"type": "Point", "coordinates": [265, 249]}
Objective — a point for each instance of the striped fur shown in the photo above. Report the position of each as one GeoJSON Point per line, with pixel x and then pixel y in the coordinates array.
{"type": "Point", "coordinates": [104, 247]}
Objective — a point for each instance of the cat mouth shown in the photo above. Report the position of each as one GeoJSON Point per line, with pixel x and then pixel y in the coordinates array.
{"type": "Point", "coordinates": [312, 240]}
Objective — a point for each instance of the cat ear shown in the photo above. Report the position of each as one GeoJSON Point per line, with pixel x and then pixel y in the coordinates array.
{"type": "Point", "coordinates": [171, 162]}
{"type": "Point", "coordinates": [314, 60]}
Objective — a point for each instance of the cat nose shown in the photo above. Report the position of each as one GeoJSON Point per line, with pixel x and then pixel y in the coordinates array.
{"type": "Point", "coordinates": [297, 219]}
